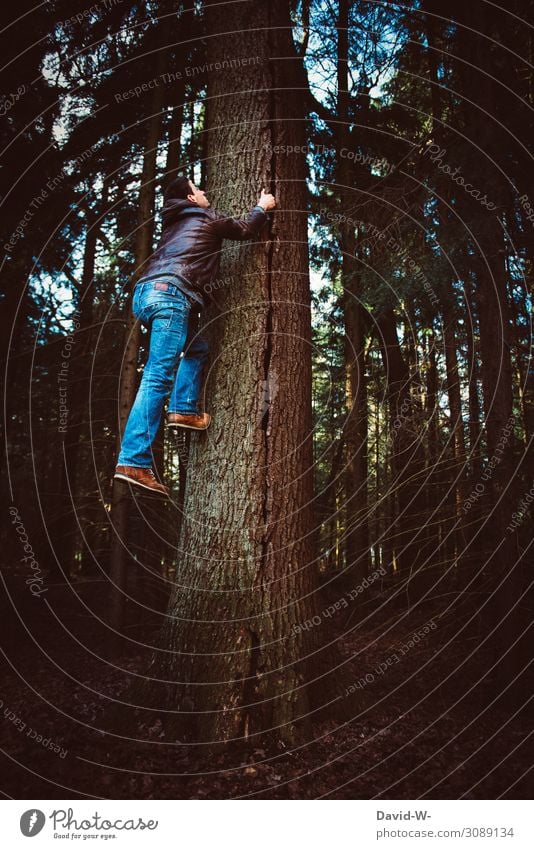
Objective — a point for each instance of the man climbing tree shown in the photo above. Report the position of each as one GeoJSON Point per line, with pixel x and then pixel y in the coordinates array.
{"type": "Point", "coordinates": [171, 288]}
{"type": "Point", "coordinates": [235, 658]}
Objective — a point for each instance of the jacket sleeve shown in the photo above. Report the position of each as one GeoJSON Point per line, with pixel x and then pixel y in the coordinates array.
{"type": "Point", "coordinates": [239, 229]}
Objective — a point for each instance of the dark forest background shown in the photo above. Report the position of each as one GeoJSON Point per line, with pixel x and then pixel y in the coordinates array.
{"type": "Point", "coordinates": [336, 601]}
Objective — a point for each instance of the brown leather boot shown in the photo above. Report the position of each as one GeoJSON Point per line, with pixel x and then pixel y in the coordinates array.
{"type": "Point", "coordinates": [143, 478]}
{"type": "Point", "coordinates": [192, 421]}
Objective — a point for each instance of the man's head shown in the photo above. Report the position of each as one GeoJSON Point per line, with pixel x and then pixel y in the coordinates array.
{"type": "Point", "coordinates": [185, 189]}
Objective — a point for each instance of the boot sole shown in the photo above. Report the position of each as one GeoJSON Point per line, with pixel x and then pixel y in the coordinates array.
{"type": "Point", "coordinates": [120, 477]}
{"type": "Point", "coordinates": [186, 426]}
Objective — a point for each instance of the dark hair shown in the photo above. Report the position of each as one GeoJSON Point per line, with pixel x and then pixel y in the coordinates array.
{"type": "Point", "coordinates": [178, 188]}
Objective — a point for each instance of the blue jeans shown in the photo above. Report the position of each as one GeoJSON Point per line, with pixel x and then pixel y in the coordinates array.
{"type": "Point", "coordinates": [171, 332]}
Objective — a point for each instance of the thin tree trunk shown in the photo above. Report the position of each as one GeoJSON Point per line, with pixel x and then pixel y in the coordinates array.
{"type": "Point", "coordinates": [174, 147]}
{"type": "Point", "coordinates": [411, 533]}
{"type": "Point", "coordinates": [355, 428]}
{"type": "Point", "coordinates": [77, 402]}
{"type": "Point", "coordinates": [128, 380]}
{"type": "Point", "coordinates": [459, 465]}
{"type": "Point", "coordinates": [521, 358]}
{"type": "Point", "coordinates": [473, 370]}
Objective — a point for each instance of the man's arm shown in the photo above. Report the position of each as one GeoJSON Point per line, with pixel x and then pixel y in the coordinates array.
{"type": "Point", "coordinates": [240, 229]}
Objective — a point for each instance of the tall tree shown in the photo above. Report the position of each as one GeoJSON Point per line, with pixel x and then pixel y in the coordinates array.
{"type": "Point", "coordinates": [246, 571]}
{"type": "Point", "coordinates": [483, 98]}
{"type": "Point", "coordinates": [355, 426]}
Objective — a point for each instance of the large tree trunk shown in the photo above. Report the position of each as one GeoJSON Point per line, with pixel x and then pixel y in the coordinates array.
{"type": "Point", "coordinates": [246, 571]}
{"type": "Point", "coordinates": [497, 486]}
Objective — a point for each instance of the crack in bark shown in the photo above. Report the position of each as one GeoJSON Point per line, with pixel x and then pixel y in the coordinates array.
{"type": "Point", "coordinates": [250, 682]}
{"type": "Point", "coordinates": [266, 417]}
{"type": "Point", "coordinates": [255, 651]}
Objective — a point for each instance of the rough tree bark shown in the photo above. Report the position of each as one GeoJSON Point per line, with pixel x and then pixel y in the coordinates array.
{"type": "Point", "coordinates": [498, 484]}
{"type": "Point", "coordinates": [246, 572]}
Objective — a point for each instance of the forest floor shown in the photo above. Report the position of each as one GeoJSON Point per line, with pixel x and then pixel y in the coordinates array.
{"type": "Point", "coordinates": [424, 723]}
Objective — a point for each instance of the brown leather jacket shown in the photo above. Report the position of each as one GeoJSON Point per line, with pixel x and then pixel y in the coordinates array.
{"type": "Point", "coordinates": [191, 242]}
